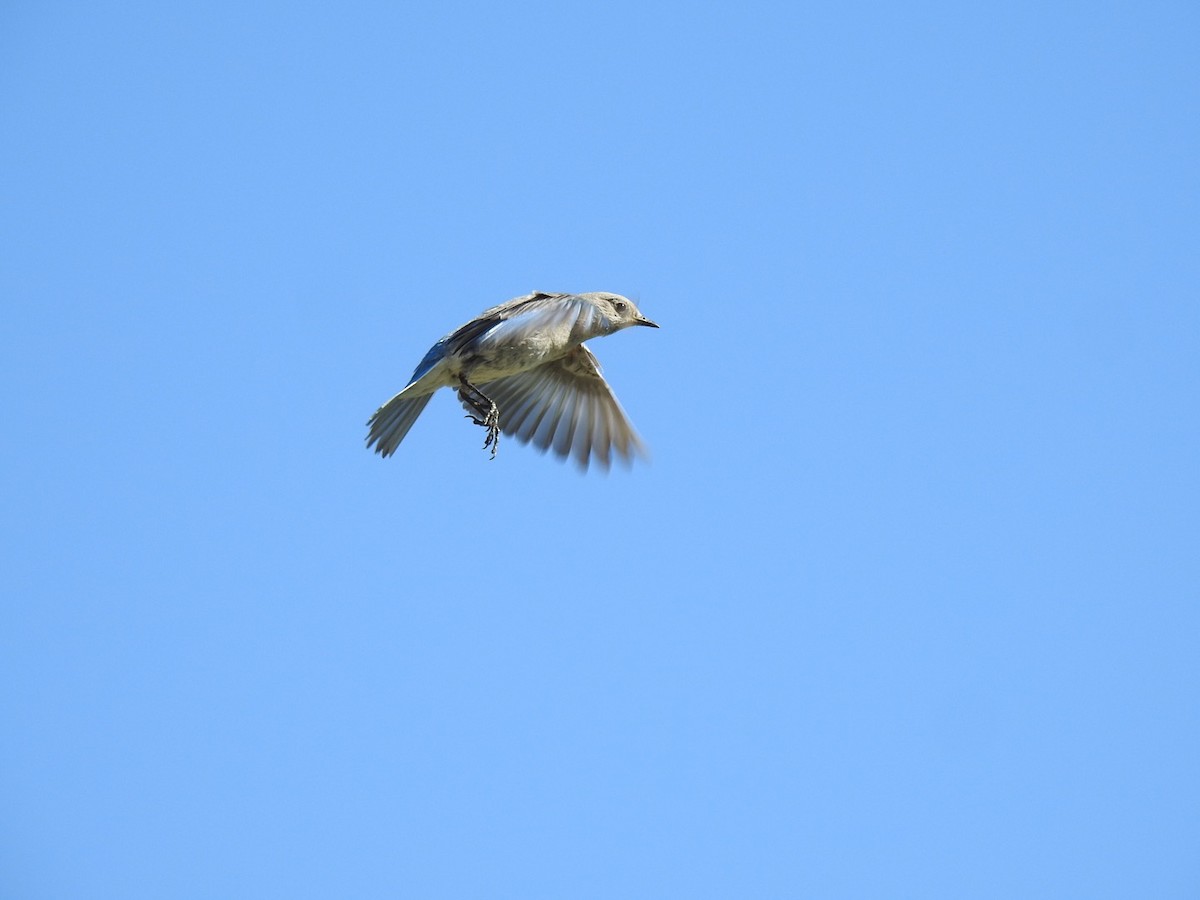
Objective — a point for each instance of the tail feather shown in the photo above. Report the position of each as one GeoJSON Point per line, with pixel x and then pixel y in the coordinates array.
{"type": "Point", "coordinates": [392, 421]}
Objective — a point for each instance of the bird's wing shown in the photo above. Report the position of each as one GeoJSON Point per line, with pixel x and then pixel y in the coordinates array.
{"type": "Point", "coordinates": [566, 405]}
{"type": "Point", "coordinates": [516, 318]}
{"type": "Point", "coordinates": [519, 318]}
{"type": "Point", "coordinates": [510, 308]}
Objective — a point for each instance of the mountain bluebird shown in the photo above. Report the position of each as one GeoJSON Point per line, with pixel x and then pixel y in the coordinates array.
{"type": "Point", "coordinates": [522, 368]}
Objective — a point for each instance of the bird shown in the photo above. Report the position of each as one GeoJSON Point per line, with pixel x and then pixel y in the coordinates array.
{"type": "Point", "coordinates": [522, 368]}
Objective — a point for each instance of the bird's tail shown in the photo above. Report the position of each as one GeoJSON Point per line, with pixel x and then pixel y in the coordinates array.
{"type": "Point", "coordinates": [391, 421]}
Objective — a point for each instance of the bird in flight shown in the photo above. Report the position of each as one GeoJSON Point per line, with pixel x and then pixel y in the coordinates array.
{"type": "Point", "coordinates": [522, 369]}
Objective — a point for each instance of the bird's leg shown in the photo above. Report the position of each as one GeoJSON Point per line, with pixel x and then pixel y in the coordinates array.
{"type": "Point", "coordinates": [486, 413]}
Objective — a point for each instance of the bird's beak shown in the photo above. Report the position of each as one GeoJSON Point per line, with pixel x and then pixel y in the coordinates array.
{"type": "Point", "coordinates": [642, 320]}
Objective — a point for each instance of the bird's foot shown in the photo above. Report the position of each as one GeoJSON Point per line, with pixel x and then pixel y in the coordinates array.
{"type": "Point", "coordinates": [490, 421]}
{"type": "Point", "coordinates": [483, 411]}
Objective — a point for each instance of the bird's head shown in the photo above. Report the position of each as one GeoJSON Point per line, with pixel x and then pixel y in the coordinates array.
{"type": "Point", "coordinates": [621, 312]}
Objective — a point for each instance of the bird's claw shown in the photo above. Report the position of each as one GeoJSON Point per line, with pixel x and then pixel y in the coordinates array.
{"type": "Point", "coordinates": [490, 421]}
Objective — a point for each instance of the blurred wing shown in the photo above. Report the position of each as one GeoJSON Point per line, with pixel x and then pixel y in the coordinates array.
{"type": "Point", "coordinates": [519, 319]}
{"type": "Point", "coordinates": [566, 406]}
{"type": "Point", "coordinates": [510, 308]}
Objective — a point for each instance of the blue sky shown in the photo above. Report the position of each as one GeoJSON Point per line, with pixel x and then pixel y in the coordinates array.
{"type": "Point", "coordinates": [905, 603]}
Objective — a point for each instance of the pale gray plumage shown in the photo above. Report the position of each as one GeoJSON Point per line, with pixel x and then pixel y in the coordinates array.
{"type": "Point", "coordinates": [521, 369]}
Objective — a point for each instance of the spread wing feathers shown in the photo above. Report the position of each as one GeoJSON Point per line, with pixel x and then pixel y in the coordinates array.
{"type": "Point", "coordinates": [518, 318]}
{"type": "Point", "coordinates": [567, 406]}
{"type": "Point", "coordinates": [391, 421]}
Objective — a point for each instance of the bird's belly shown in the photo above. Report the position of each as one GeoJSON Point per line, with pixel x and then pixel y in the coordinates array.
{"type": "Point", "coordinates": [491, 363]}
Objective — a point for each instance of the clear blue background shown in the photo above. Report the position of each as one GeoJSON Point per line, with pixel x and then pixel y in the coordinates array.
{"type": "Point", "coordinates": [907, 603]}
